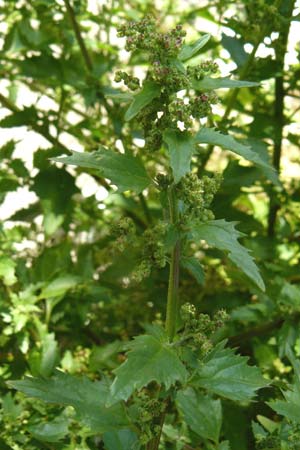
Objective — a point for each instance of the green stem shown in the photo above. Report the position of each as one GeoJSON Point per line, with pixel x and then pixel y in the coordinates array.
{"type": "Point", "coordinates": [81, 43]}
{"type": "Point", "coordinates": [279, 118]}
{"type": "Point", "coordinates": [172, 301]}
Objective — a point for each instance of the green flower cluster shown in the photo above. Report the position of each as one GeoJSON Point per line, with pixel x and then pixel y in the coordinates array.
{"type": "Point", "coordinates": [148, 414]}
{"type": "Point", "coordinates": [131, 82]}
{"type": "Point", "coordinates": [124, 233]}
{"type": "Point", "coordinates": [197, 195]}
{"type": "Point", "coordinates": [154, 251]}
{"type": "Point", "coordinates": [198, 328]}
{"type": "Point", "coordinates": [144, 35]}
{"type": "Point", "coordinates": [198, 72]}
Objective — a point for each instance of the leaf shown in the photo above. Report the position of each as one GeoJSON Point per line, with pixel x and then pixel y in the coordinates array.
{"type": "Point", "coordinates": [59, 286]}
{"type": "Point", "coordinates": [181, 148]}
{"type": "Point", "coordinates": [124, 170]}
{"type": "Point", "coordinates": [224, 236]}
{"type": "Point", "coordinates": [194, 267]}
{"type": "Point", "coordinates": [121, 440]}
{"type": "Point", "coordinates": [235, 47]}
{"type": "Point", "coordinates": [201, 413]}
{"type": "Point", "coordinates": [87, 397]}
{"type": "Point", "coordinates": [149, 359]}
{"type": "Point", "coordinates": [26, 116]}
{"type": "Point", "coordinates": [208, 84]}
{"type": "Point", "coordinates": [7, 270]}
{"type": "Point", "coordinates": [188, 51]}
{"type": "Point", "coordinates": [289, 408]}
{"type": "Point", "coordinates": [52, 431]}
{"type": "Point", "coordinates": [214, 137]}
{"type": "Point", "coordinates": [141, 99]}
{"type": "Point", "coordinates": [43, 361]}
{"type": "Point", "coordinates": [226, 374]}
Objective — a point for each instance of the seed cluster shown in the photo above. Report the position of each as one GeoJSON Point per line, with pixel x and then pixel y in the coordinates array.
{"type": "Point", "coordinates": [149, 413]}
{"type": "Point", "coordinates": [198, 328]}
{"type": "Point", "coordinates": [131, 82]}
{"type": "Point", "coordinates": [197, 195]}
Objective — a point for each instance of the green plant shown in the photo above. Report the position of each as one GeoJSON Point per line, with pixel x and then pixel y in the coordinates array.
{"type": "Point", "coordinates": [158, 250]}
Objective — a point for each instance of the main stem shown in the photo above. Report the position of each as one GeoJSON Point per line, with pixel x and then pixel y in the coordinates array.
{"type": "Point", "coordinates": [172, 301]}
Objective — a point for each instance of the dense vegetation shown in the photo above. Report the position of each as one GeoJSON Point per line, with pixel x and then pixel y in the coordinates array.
{"type": "Point", "coordinates": [150, 294]}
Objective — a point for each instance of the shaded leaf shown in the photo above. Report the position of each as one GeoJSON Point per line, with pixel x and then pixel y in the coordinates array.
{"type": "Point", "coordinates": [87, 397]}
{"type": "Point", "coordinates": [52, 431]}
{"type": "Point", "coordinates": [202, 414]}
{"type": "Point", "coordinates": [124, 170]}
{"type": "Point", "coordinates": [121, 440]}
{"type": "Point", "coordinates": [194, 267]}
{"type": "Point", "coordinates": [141, 99]}
{"type": "Point", "coordinates": [207, 84]}
{"type": "Point", "coordinates": [226, 374]}
{"type": "Point", "coordinates": [188, 51]}
{"type": "Point", "coordinates": [149, 359]}
{"type": "Point", "coordinates": [225, 141]}
{"type": "Point", "coordinates": [181, 148]}
{"type": "Point", "coordinates": [224, 236]}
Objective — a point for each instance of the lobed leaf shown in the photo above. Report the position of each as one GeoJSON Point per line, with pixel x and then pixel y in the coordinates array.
{"type": "Point", "coordinates": [181, 148]}
{"type": "Point", "coordinates": [225, 141]}
{"type": "Point", "coordinates": [87, 397]}
{"type": "Point", "coordinates": [124, 170]}
{"type": "Point", "coordinates": [226, 374]}
{"type": "Point", "coordinates": [149, 91]}
{"type": "Point", "coordinates": [224, 236]}
{"type": "Point", "coordinates": [208, 84]}
{"type": "Point", "coordinates": [149, 359]}
{"type": "Point", "coordinates": [189, 50]}
{"type": "Point", "coordinates": [201, 413]}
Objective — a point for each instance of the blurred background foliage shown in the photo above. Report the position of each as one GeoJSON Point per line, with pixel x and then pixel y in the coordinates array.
{"type": "Point", "coordinates": [68, 299]}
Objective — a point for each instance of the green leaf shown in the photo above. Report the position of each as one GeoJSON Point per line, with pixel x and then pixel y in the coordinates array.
{"type": "Point", "coordinates": [43, 361]}
{"type": "Point", "coordinates": [59, 286]}
{"type": "Point", "coordinates": [208, 84]}
{"type": "Point", "coordinates": [214, 137]}
{"type": "Point", "coordinates": [181, 148]}
{"type": "Point", "coordinates": [87, 397]}
{"type": "Point", "coordinates": [149, 359]}
{"type": "Point", "coordinates": [226, 374]}
{"type": "Point", "coordinates": [121, 440]}
{"type": "Point", "coordinates": [124, 170]}
{"type": "Point", "coordinates": [52, 431]}
{"type": "Point", "coordinates": [224, 236]}
{"type": "Point", "coordinates": [7, 270]}
{"type": "Point", "coordinates": [188, 51]}
{"type": "Point", "coordinates": [194, 267]}
{"type": "Point", "coordinates": [201, 413]}
{"type": "Point", "coordinates": [289, 408]}
{"type": "Point", "coordinates": [141, 99]}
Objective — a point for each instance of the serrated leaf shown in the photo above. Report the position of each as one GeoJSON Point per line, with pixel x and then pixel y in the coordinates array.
{"type": "Point", "coordinates": [201, 413]}
{"type": "Point", "coordinates": [121, 440]}
{"type": "Point", "coordinates": [223, 235]}
{"type": "Point", "coordinates": [124, 170]}
{"type": "Point", "coordinates": [226, 374]}
{"type": "Point", "coordinates": [149, 91]}
{"type": "Point", "coordinates": [227, 142]}
{"type": "Point", "coordinates": [188, 51]}
{"type": "Point", "coordinates": [208, 84]}
{"type": "Point", "coordinates": [181, 148]}
{"type": "Point", "coordinates": [194, 267]}
{"type": "Point", "coordinates": [289, 408]}
{"type": "Point", "coordinates": [87, 397]}
{"type": "Point", "coordinates": [149, 359]}
{"type": "Point", "coordinates": [52, 431]}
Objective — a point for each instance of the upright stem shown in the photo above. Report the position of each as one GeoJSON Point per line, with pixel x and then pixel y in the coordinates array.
{"type": "Point", "coordinates": [172, 301]}
{"type": "Point", "coordinates": [81, 43]}
{"type": "Point", "coordinates": [279, 119]}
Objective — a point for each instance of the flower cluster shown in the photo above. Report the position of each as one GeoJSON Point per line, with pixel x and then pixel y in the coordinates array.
{"type": "Point", "coordinates": [197, 195]}
{"type": "Point", "coordinates": [132, 82]}
{"type": "Point", "coordinates": [198, 328]}
{"type": "Point", "coordinates": [124, 233]}
{"type": "Point", "coordinates": [154, 251]}
{"type": "Point", "coordinates": [148, 413]}
{"type": "Point", "coordinates": [207, 67]}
